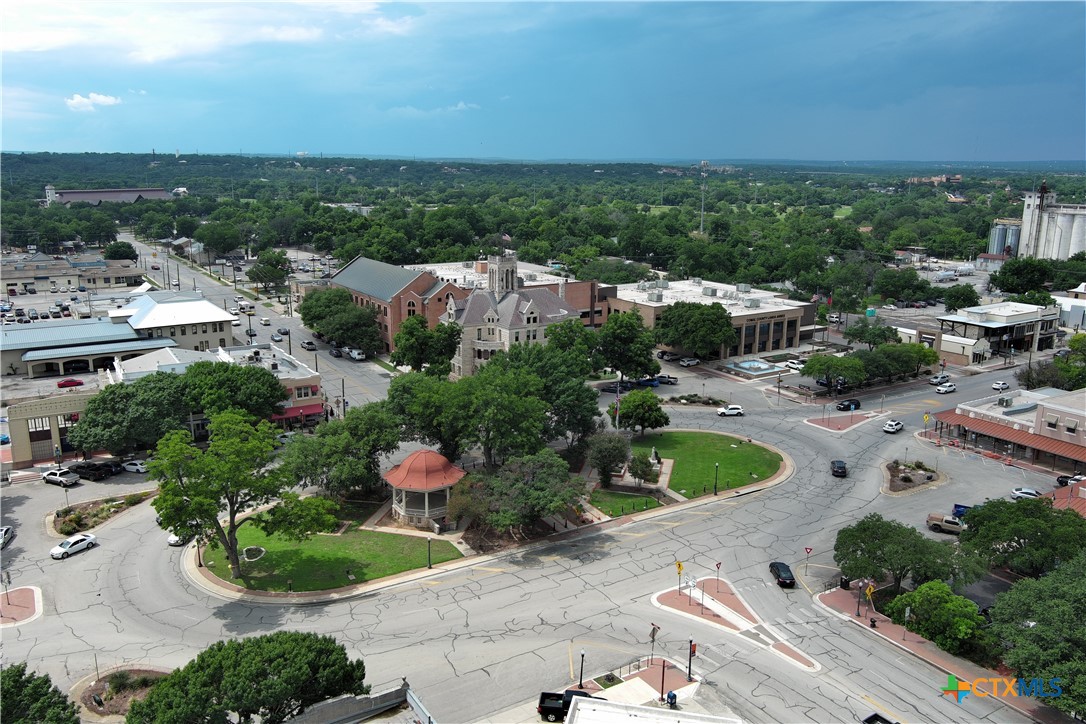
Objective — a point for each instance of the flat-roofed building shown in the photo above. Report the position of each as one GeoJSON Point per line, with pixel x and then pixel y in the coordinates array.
{"type": "Point", "coordinates": [44, 273]}
{"type": "Point", "coordinates": [763, 321]}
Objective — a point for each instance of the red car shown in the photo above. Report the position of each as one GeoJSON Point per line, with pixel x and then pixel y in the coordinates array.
{"type": "Point", "coordinates": [70, 382]}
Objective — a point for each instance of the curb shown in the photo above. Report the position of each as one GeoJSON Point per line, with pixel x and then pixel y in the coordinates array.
{"type": "Point", "coordinates": [51, 531]}
{"type": "Point", "coordinates": [76, 692]}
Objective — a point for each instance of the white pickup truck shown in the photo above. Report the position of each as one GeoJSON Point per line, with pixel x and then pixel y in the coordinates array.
{"type": "Point", "coordinates": [945, 523]}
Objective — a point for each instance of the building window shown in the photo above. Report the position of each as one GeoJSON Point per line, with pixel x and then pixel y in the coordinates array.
{"type": "Point", "coordinates": [37, 424]}
{"type": "Point", "coordinates": [158, 332]}
{"type": "Point", "coordinates": [301, 392]}
{"type": "Point", "coordinates": [516, 336]}
{"type": "Point", "coordinates": [182, 331]}
{"type": "Point", "coordinates": [222, 341]}
{"type": "Point", "coordinates": [411, 309]}
{"type": "Point", "coordinates": [1072, 425]}
{"type": "Point", "coordinates": [204, 330]}
{"type": "Point", "coordinates": [173, 331]}
{"type": "Point", "coordinates": [105, 280]}
{"type": "Point", "coordinates": [1052, 421]}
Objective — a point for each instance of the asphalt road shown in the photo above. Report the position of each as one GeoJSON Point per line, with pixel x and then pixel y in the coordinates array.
{"type": "Point", "coordinates": [477, 641]}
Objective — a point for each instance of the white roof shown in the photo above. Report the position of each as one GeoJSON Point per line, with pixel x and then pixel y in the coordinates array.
{"type": "Point", "coordinates": [168, 309]}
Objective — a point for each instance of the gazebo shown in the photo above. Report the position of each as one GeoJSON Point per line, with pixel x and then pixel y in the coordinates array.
{"type": "Point", "coordinates": [420, 487]}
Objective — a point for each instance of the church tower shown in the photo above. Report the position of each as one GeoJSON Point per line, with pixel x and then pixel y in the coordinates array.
{"type": "Point", "coordinates": [502, 274]}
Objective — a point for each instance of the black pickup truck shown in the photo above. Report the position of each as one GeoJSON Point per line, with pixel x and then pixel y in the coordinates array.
{"type": "Point", "coordinates": [554, 706]}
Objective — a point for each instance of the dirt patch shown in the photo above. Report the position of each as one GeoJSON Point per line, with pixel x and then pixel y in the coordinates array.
{"type": "Point", "coordinates": [490, 541]}
{"type": "Point", "coordinates": [907, 477]}
{"type": "Point", "coordinates": [134, 686]}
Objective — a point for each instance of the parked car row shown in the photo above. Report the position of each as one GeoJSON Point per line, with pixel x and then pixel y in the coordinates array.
{"type": "Point", "coordinates": [91, 470]}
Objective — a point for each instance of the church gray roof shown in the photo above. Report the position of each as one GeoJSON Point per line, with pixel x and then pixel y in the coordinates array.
{"type": "Point", "coordinates": [512, 309]}
{"type": "Point", "coordinates": [375, 278]}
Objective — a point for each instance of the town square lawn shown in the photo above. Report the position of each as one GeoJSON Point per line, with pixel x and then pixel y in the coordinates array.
{"type": "Point", "coordinates": [695, 455]}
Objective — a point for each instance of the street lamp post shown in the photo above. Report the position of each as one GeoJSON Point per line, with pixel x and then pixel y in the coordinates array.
{"type": "Point", "coordinates": [778, 389]}
{"type": "Point", "coordinates": [580, 681]}
{"type": "Point", "coordinates": [716, 478]}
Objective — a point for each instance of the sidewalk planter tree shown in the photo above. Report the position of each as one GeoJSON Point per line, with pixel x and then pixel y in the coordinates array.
{"type": "Point", "coordinates": [608, 453]}
{"type": "Point", "coordinates": [938, 615]}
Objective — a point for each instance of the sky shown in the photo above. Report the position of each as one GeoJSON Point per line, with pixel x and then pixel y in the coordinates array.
{"type": "Point", "coordinates": [528, 81]}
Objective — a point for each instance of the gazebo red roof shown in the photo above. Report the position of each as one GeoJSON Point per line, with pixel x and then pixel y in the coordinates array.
{"type": "Point", "coordinates": [424, 470]}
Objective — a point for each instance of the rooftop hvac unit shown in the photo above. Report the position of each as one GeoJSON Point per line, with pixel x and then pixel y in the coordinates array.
{"type": "Point", "coordinates": [642, 286]}
{"type": "Point", "coordinates": [708, 291]}
{"type": "Point", "coordinates": [662, 284]}
{"type": "Point", "coordinates": [656, 296]}
{"type": "Point", "coordinates": [467, 264]}
{"type": "Point", "coordinates": [256, 353]}
{"type": "Point", "coordinates": [274, 366]}
{"type": "Point", "coordinates": [1003, 402]}
{"type": "Point", "coordinates": [529, 276]}
{"type": "Point", "coordinates": [696, 280]}
{"type": "Point", "coordinates": [752, 303]}
{"type": "Point", "coordinates": [742, 287]}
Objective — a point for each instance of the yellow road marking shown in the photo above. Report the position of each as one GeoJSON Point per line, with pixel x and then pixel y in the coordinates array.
{"type": "Point", "coordinates": [882, 708]}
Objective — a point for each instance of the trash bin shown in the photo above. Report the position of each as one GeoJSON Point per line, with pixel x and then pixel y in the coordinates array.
{"type": "Point", "coordinates": [845, 583]}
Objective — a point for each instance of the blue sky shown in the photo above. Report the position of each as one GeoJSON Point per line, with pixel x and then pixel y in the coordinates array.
{"type": "Point", "coordinates": [946, 81]}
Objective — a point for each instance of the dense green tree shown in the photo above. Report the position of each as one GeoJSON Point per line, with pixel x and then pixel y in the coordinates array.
{"type": "Point", "coordinates": [1029, 536]}
{"type": "Point", "coordinates": [270, 270]}
{"type": "Point", "coordinates": [120, 250]}
{"type": "Point", "coordinates": [275, 677]}
{"type": "Point", "coordinates": [639, 410]}
{"type": "Point", "coordinates": [212, 387]}
{"type": "Point", "coordinates": [960, 296]}
{"type": "Point", "coordinates": [345, 455]}
{"type": "Point", "coordinates": [217, 485]}
{"type": "Point", "coordinates": [831, 367]}
{"type": "Point", "coordinates": [642, 469]}
{"type": "Point", "coordinates": [627, 346]}
{"type": "Point", "coordinates": [938, 615]}
{"type": "Point", "coordinates": [1038, 297]}
{"type": "Point", "coordinates": [507, 415]}
{"type": "Point", "coordinates": [608, 453]}
{"type": "Point", "coordinates": [424, 349]}
{"type": "Point", "coordinates": [1042, 624]}
{"type": "Point", "coordinates": [1022, 274]}
{"type": "Point", "coordinates": [433, 411]}
{"type": "Point", "coordinates": [321, 304]}
{"type": "Point", "coordinates": [353, 326]}
{"type": "Point", "coordinates": [875, 547]}
{"type": "Point", "coordinates": [217, 237]}
{"type": "Point", "coordinates": [134, 416]}
{"type": "Point", "coordinates": [29, 698]}
{"type": "Point", "coordinates": [701, 329]}
{"type": "Point", "coordinates": [870, 333]}
{"type": "Point", "coordinates": [529, 488]}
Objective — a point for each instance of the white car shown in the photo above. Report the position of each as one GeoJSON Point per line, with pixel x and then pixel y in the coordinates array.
{"type": "Point", "coordinates": [939, 379]}
{"type": "Point", "coordinates": [1000, 386]}
{"type": "Point", "coordinates": [689, 361]}
{"type": "Point", "coordinates": [1024, 493]}
{"type": "Point", "coordinates": [135, 466]}
{"type": "Point", "coordinates": [78, 542]}
{"type": "Point", "coordinates": [236, 323]}
{"type": "Point", "coordinates": [234, 310]}
{"type": "Point", "coordinates": [893, 426]}
{"type": "Point", "coordinates": [833, 318]}
{"type": "Point", "coordinates": [794, 364]}
{"type": "Point", "coordinates": [730, 410]}
{"type": "Point", "coordinates": [888, 306]}
{"type": "Point", "coordinates": [946, 389]}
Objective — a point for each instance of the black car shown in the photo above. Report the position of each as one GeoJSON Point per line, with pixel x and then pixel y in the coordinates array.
{"type": "Point", "coordinates": [782, 574]}
{"type": "Point", "coordinates": [625, 386]}
{"type": "Point", "coordinates": [88, 471]}
{"type": "Point", "coordinates": [335, 352]}
{"type": "Point", "coordinates": [1065, 480]}
{"type": "Point", "coordinates": [283, 331]}
{"type": "Point", "coordinates": [849, 404]}
{"type": "Point", "coordinates": [838, 469]}
{"type": "Point", "coordinates": [250, 332]}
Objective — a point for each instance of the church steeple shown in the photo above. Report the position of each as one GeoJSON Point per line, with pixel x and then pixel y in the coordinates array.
{"type": "Point", "coordinates": [502, 274]}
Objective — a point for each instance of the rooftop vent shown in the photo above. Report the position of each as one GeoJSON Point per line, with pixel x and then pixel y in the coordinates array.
{"type": "Point", "coordinates": [752, 303]}
{"type": "Point", "coordinates": [742, 287]}
{"type": "Point", "coordinates": [656, 296]}
{"type": "Point", "coordinates": [708, 291]}
{"type": "Point", "coordinates": [662, 284]}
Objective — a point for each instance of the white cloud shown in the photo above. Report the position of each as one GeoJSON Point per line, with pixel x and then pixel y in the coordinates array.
{"type": "Point", "coordinates": [84, 105]}
{"type": "Point", "coordinates": [413, 112]}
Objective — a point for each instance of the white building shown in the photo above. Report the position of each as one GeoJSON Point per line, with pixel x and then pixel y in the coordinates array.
{"type": "Point", "coordinates": [1051, 230]}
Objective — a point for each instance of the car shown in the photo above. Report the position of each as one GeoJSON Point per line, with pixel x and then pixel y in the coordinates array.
{"type": "Point", "coordinates": [649, 382]}
{"type": "Point", "coordinates": [939, 379]}
{"type": "Point", "coordinates": [838, 469]}
{"type": "Point", "coordinates": [6, 534]}
{"type": "Point", "coordinates": [78, 542]}
{"type": "Point", "coordinates": [946, 389]}
{"type": "Point", "coordinates": [234, 310]}
{"type": "Point", "coordinates": [782, 574]}
{"type": "Point", "coordinates": [794, 364]}
{"type": "Point", "coordinates": [60, 476]}
{"type": "Point", "coordinates": [236, 323]}
{"type": "Point", "coordinates": [4, 438]}
{"type": "Point", "coordinates": [670, 357]}
{"type": "Point", "coordinates": [81, 288]}
{"type": "Point", "coordinates": [276, 337]}
{"type": "Point", "coordinates": [848, 405]}
{"type": "Point", "coordinates": [135, 466]}
{"type": "Point", "coordinates": [155, 267]}
{"type": "Point", "coordinates": [309, 344]}
{"type": "Point", "coordinates": [659, 355]}
{"type": "Point", "coordinates": [284, 437]}
{"type": "Point", "coordinates": [689, 361]}
{"type": "Point", "coordinates": [335, 352]}
{"type": "Point", "coordinates": [624, 386]}
{"type": "Point", "coordinates": [893, 426]}
{"type": "Point", "coordinates": [1065, 480]}
{"type": "Point", "coordinates": [730, 411]}
{"type": "Point", "coordinates": [889, 306]}
{"type": "Point", "coordinates": [177, 283]}
{"type": "Point", "coordinates": [667, 380]}
{"type": "Point", "coordinates": [1000, 386]}
{"type": "Point", "coordinates": [180, 538]}
{"type": "Point", "coordinates": [283, 331]}
{"type": "Point", "coordinates": [1024, 493]}
{"type": "Point", "coordinates": [833, 318]}
{"type": "Point", "coordinates": [1062, 353]}
{"type": "Point", "coordinates": [250, 333]}
{"type": "Point", "coordinates": [89, 471]}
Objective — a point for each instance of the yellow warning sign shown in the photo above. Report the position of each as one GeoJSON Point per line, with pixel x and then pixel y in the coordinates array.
{"type": "Point", "coordinates": [679, 567]}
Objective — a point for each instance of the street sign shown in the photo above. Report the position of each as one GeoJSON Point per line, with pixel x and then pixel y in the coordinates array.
{"type": "Point", "coordinates": [869, 591]}
{"type": "Point", "coordinates": [679, 567]}
{"type": "Point", "coordinates": [653, 632]}
{"type": "Point", "coordinates": [718, 566]}
{"type": "Point", "coordinates": [927, 417]}
{"type": "Point", "coordinates": [808, 550]}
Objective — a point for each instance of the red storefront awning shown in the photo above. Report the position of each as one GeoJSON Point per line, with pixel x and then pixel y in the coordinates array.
{"type": "Point", "coordinates": [300, 411]}
{"type": "Point", "coordinates": [1009, 434]}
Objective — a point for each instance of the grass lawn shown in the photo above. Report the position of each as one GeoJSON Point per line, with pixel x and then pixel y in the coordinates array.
{"type": "Point", "coordinates": [696, 454]}
{"type": "Point", "coordinates": [842, 212]}
{"type": "Point", "coordinates": [321, 562]}
{"type": "Point", "coordinates": [616, 504]}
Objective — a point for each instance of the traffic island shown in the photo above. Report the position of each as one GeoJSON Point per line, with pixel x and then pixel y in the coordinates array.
{"type": "Point", "coordinates": [19, 606]}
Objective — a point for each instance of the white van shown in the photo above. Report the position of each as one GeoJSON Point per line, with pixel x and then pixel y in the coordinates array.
{"type": "Point", "coordinates": [357, 355]}
{"type": "Point", "coordinates": [265, 321]}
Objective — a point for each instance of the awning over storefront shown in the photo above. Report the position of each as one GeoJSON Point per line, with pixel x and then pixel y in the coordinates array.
{"type": "Point", "coordinates": [300, 411]}
{"type": "Point", "coordinates": [1009, 434]}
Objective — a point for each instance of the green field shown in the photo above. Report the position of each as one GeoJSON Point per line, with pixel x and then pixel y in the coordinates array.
{"type": "Point", "coordinates": [696, 454]}
{"type": "Point", "coordinates": [616, 504]}
{"type": "Point", "coordinates": [322, 562]}
{"type": "Point", "coordinates": [843, 212]}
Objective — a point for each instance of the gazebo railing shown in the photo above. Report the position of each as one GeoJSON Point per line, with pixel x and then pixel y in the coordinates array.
{"type": "Point", "coordinates": [434, 512]}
